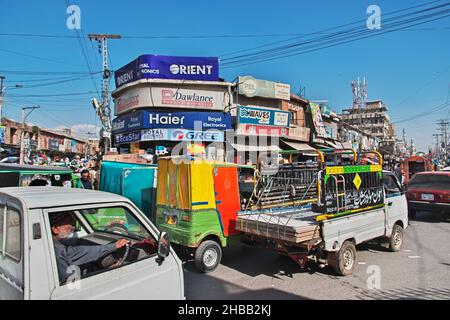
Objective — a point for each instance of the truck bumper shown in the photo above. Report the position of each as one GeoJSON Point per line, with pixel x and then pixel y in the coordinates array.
{"type": "Point", "coordinates": [429, 206]}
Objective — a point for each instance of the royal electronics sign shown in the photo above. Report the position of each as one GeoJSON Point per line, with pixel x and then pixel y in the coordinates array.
{"type": "Point", "coordinates": [170, 135]}
{"type": "Point", "coordinates": [144, 97]}
{"type": "Point", "coordinates": [168, 67]}
{"type": "Point", "coordinates": [201, 121]}
{"type": "Point", "coordinates": [251, 87]}
{"type": "Point", "coordinates": [262, 116]}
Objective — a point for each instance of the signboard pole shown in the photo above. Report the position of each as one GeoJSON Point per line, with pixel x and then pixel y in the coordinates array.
{"type": "Point", "coordinates": [22, 135]}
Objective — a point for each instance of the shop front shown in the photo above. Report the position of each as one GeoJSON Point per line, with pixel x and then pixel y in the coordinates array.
{"type": "Point", "coordinates": [159, 132]}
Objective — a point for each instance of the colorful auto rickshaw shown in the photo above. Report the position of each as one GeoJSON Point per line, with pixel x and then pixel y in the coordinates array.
{"type": "Point", "coordinates": [197, 202]}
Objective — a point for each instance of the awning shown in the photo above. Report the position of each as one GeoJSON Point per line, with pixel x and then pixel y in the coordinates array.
{"type": "Point", "coordinates": [253, 148]}
{"type": "Point", "coordinates": [334, 145]}
{"type": "Point", "coordinates": [302, 147]}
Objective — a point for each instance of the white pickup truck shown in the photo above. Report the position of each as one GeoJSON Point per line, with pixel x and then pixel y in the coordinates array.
{"type": "Point", "coordinates": [146, 268]}
{"type": "Point", "coordinates": [330, 241]}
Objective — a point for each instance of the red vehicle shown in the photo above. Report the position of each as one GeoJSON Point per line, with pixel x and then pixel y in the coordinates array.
{"type": "Point", "coordinates": [414, 165]}
{"type": "Point", "coordinates": [429, 191]}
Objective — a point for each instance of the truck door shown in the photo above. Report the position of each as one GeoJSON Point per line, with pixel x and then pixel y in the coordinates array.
{"type": "Point", "coordinates": [395, 200]}
{"type": "Point", "coordinates": [226, 189]}
{"type": "Point", "coordinates": [11, 252]}
{"type": "Point", "coordinates": [142, 276]}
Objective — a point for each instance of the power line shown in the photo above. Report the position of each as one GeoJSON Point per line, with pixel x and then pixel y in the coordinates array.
{"type": "Point", "coordinates": [337, 38]}
{"type": "Point", "coordinates": [31, 73]}
{"type": "Point", "coordinates": [325, 31]}
{"type": "Point", "coordinates": [54, 95]}
{"type": "Point", "coordinates": [425, 113]}
{"type": "Point", "coordinates": [39, 58]}
{"type": "Point", "coordinates": [52, 83]}
{"type": "Point", "coordinates": [80, 41]}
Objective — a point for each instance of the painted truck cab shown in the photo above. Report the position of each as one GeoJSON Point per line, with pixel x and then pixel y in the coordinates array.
{"type": "Point", "coordinates": [197, 203]}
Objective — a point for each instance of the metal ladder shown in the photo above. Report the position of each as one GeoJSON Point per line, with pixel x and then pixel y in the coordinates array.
{"type": "Point", "coordinates": [339, 180]}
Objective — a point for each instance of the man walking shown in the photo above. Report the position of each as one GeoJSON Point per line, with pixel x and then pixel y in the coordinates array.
{"type": "Point", "coordinates": [85, 180]}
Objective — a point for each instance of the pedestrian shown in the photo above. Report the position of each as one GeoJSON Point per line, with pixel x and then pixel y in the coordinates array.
{"type": "Point", "coordinates": [85, 180]}
{"type": "Point", "coordinates": [398, 173]}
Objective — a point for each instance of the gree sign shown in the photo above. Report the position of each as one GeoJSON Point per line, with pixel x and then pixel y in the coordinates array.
{"type": "Point", "coordinates": [168, 67]}
{"type": "Point", "coordinates": [263, 116]}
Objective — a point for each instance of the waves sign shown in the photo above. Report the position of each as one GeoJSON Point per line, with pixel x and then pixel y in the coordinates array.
{"type": "Point", "coordinates": [263, 116]}
{"type": "Point", "coordinates": [168, 67]}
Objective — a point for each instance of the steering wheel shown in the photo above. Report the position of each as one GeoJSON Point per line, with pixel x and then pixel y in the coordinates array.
{"type": "Point", "coordinates": [125, 255]}
{"type": "Point", "coordinates": [109, 260]}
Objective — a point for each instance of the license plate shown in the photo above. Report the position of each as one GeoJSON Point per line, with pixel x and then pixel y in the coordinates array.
{"type": "Point", "coordinates": [426, 196]}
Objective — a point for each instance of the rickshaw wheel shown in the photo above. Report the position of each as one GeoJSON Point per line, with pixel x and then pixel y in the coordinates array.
{"type": "Point", "coordinates": [208, 256]}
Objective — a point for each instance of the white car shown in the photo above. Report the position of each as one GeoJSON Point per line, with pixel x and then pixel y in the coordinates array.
{"type": "Point", "coordinates": [147, 268]}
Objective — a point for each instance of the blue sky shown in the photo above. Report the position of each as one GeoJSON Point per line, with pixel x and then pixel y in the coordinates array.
{"type": "Point", "coordinates": [408, 70]}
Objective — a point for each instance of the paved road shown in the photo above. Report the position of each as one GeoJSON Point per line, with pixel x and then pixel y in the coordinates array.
{"type": "Point", "coordinates": [421, 270]}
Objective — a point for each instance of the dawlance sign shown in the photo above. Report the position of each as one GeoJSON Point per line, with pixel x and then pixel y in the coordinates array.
{"type": "Point", "coordinates": [145, 97]}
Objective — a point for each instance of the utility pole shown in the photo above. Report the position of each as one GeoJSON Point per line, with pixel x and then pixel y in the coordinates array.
{"type": "Point", "coordinates": [1, 98]}
{"type": "Point", "coordinates": [443, 125]}
{"type": "Point", "coordinates": [359, 91]}
{"type": "Point", "coordinates": [438, 151]}
{"type": "Point", "coordinates": [2, 88]}
{"type": "Point", "coordinates": [22, 135]}
{"type": "Point", "coordinates": [104, 108]}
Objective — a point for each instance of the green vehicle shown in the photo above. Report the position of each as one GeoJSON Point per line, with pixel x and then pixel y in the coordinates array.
{"type": "Point", "coordinates": [16, 175]}
{"type": "Point", "coordinates": [197, 203]}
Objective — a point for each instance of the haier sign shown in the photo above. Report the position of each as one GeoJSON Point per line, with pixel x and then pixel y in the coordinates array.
{"type": "Point", "coordinates": [168, 67]}
{"type": "Point", "coordinates": [170, 120]}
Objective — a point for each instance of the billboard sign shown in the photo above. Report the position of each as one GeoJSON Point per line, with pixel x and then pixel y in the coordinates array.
{"type": "Point", "coordinates": [192, 135]}
{"type": "Point", "coordinates": [253, 130]}
{"type": "Point", "coordinates": [121, 138]}
{"type": "Point", "coordinates": [2, 134]}
{"type": "Point", "coordinates": [317, 120]}
{"type": "Point", "coordinates": [168, 67]}
{"type": "Point", "coordinates": [172, 120]}
{"type": "Point", "coordinates": [53, 144]}
{"type": "Point", "coordinates": [251, 87]}
{"type": "Point", "coordinates": [154, 134]}
{"type": "Point", "coordinates": [145, 97]}
{"type": "Point", "coordinates": [263, 116]}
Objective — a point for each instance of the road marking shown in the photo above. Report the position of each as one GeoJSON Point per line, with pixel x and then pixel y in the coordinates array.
{"type": "Point", "coordinates": [414, 257]}
{"type": "Point", "coordinates": [361, 263]}
{"type": "Point", "coordinates": [407, 250]}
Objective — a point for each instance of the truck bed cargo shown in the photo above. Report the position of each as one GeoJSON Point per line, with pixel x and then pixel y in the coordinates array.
{"type": "Point", "coordinates": [294, 225]}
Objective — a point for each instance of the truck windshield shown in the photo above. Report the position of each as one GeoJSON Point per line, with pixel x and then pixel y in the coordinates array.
{"type": "Point", "coordinates": [115, 220]}
{"type": "Point", "coordinates": [430, 181]}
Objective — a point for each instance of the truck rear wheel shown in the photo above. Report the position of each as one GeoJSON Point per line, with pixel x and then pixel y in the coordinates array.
{"type": "Point", "coordinates": [208, 256]}
{"type": "Point", "coordinates": [345, 259]}
{"type": "Point", "coordinates": [396, 240]}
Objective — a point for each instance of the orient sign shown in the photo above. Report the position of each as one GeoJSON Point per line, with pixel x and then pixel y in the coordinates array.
{"type": "Point", "coordinates": [168, 67]}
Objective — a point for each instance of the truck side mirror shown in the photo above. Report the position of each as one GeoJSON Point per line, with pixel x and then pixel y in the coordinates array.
{"type": "Point", "coordinates": [163, 246]}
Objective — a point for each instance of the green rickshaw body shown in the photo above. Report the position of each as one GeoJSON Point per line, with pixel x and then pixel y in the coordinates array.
{"type": "Point", "coordinates": [16, 175]}
{"type": "Point", "coordinates": [197, 200]}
